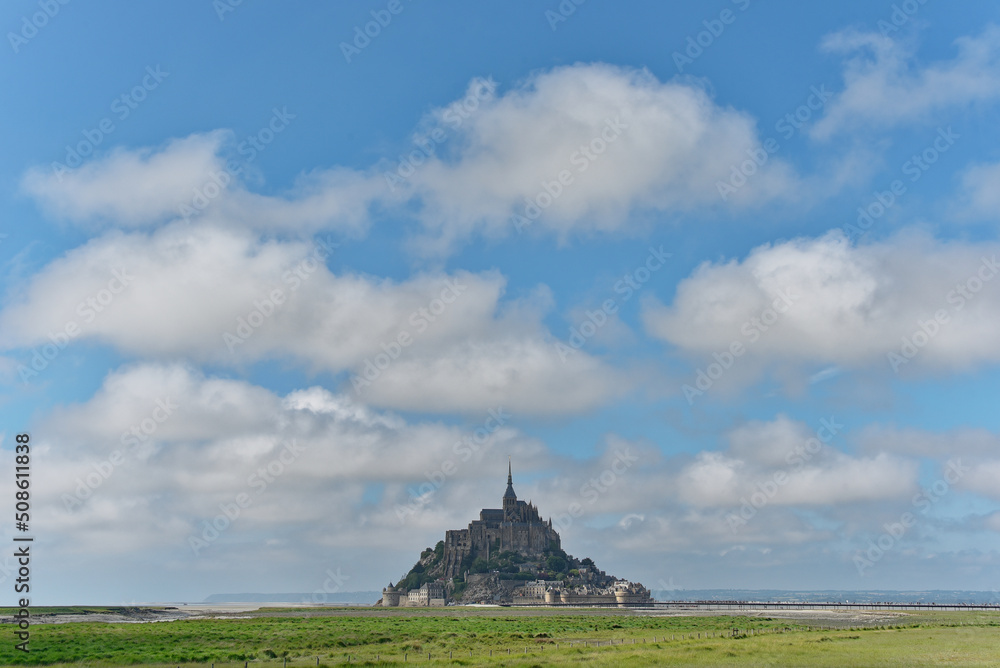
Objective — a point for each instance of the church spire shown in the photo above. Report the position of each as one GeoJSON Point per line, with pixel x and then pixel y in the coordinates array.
{"type": "Point", "coordinates": [509, 494]}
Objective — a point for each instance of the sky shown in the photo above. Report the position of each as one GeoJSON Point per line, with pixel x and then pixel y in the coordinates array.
{"type": "Point", "coordinates": [285, 286]}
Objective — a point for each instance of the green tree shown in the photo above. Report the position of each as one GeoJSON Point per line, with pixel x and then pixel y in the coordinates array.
{"type": "Point", "coordinates": [556, 563]}
{"type": "Point", "coordinates": [479, 565]}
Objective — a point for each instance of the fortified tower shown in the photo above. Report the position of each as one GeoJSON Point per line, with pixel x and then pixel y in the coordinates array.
{"type": "Point", "coordinates": [390, 596]}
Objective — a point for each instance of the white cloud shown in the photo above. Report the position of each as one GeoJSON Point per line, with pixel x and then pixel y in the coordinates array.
{"type": "Point", "coordinates": [218, 438]}
{"type": "Point", "coordinates": [525, 374]}
{"type": "Point", "coordinates": [885, 86]}
{"type": "Point", "coordinates": [662, 146]}
{"type": "Point", "coordinates": [981, 477]}
{"type": "Point", "coordinates": [340, 497]}
{"type": "Point", "coordinates": [625, 141]}
{"type": "Point", "coordinates": [966, 442]}
{"type": "Point", "coordinates": [222, 296]}
{"type": "Point", "coordinates": [979, 196]}
{"type": "Point", "coordinates": [843, 304]}
{"type": "Point", "coordinates": [191, 178]}
{"type": "Point", "coordinates": [130, 188]}
{"type": "Point", "coordinates": [809, 473]}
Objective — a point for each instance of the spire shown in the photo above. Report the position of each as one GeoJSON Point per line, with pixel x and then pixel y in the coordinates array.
{"type": "Point", "coordinates": [509, 494]}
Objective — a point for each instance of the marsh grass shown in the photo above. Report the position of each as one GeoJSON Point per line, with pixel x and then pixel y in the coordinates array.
{"type": "Point", "coordinates": [304, 637]}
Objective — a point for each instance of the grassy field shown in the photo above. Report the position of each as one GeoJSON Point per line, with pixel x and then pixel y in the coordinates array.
{"type": "Point", "coordinates": [532, 638]}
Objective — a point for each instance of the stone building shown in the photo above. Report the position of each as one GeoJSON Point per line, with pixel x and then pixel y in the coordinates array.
{"type": "Point", "coordinates": [430, 593]}
{"type": "Point", "coordinates": [516, 527]}
{"type": "Point", "coordinates": [537, 589]}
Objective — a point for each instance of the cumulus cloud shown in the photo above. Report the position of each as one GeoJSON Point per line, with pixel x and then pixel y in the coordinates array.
{"type": "Point", "coordinates": [885, 86]}
{"type": "Point", "coordinates": [810, 471]}
{"type": "Point", "coordinates": [822, 301]}
{"type": "Point", "coordinates": [357, 480]}
{"type": "Point", "coordinates": [130, 188]}
{"type": "Point", "coordinates": [214, 295]}
{"type": "Point", "coordinates": [623, 140]}
{"type": "Point", "coordinates": [160, 447]}
{"type": "Point", "coordinates": [575, 149]}
{"type": "Point", "coordinates": [192, 177]}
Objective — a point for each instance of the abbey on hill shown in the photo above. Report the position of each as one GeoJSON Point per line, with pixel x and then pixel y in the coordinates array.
{"type": "Point", "coordinates": [509, 555]}
{"type": "Point", "coordinates": [517, 527]}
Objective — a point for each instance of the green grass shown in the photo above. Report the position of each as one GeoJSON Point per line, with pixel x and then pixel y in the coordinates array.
{"type": "Point", "coordinates": [72, 610]}
{"type": "Point", "coordinates": [553, 637]}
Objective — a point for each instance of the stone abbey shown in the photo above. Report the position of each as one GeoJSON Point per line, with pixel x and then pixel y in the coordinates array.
{"type": "Point", "coordinates": [510, 556]}
{"type": "Point", "coordinates": [517, 527]}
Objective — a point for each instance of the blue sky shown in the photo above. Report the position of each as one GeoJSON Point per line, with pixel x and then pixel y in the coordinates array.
{"type": "Point", "coordinates": [612, 201]}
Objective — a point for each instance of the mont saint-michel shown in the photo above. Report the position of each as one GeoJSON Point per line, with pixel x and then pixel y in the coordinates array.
{"type": "Point", "coordinates": [510, 555]}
